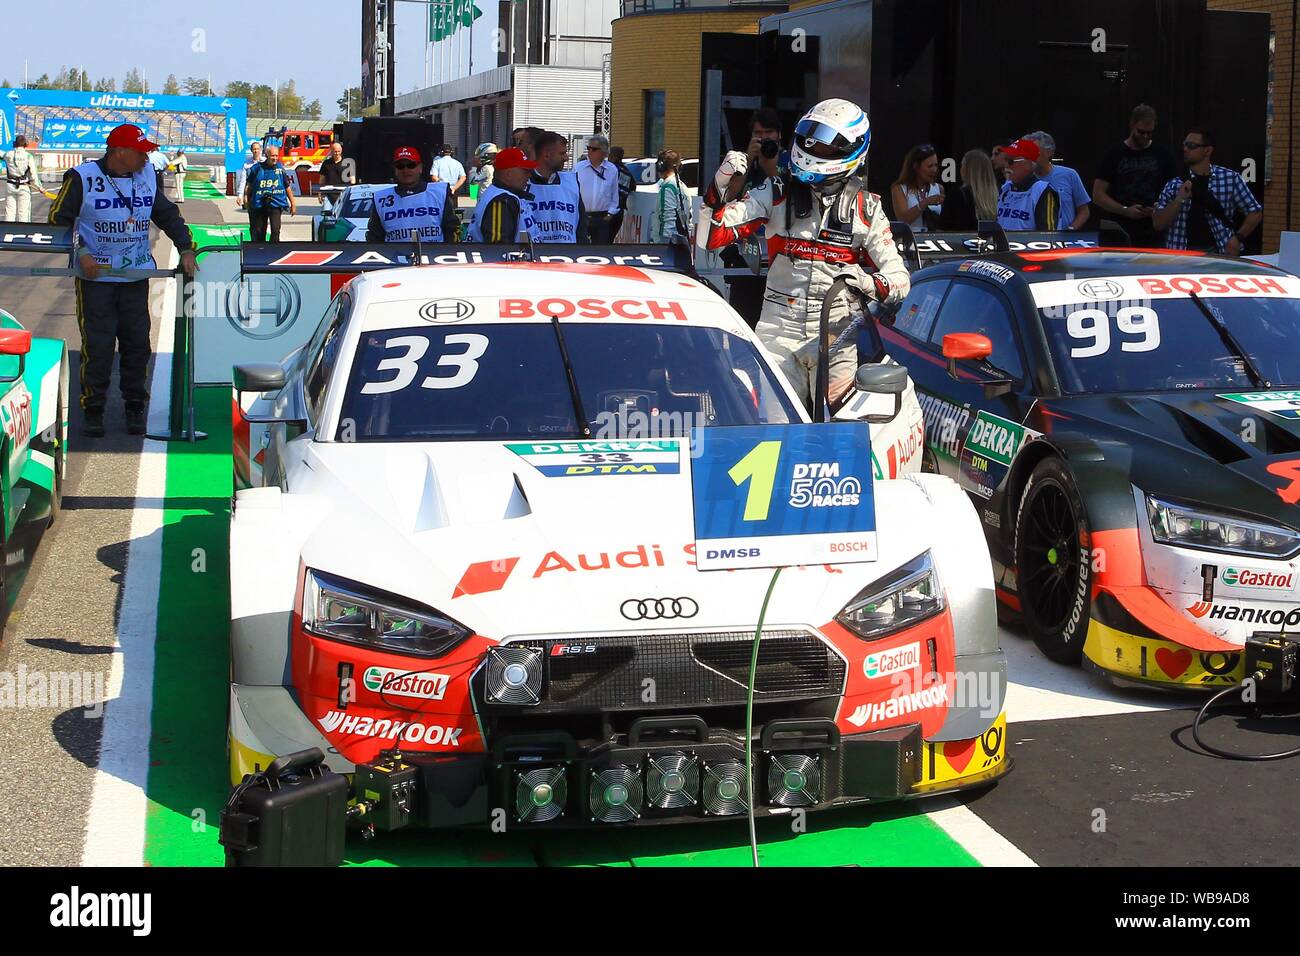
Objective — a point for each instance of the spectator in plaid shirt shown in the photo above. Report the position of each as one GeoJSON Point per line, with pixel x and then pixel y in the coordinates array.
{"type": "Point", "coordinates": [1199, 210]}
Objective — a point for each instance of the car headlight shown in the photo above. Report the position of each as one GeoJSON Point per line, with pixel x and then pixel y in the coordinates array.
{"type": "Point", "coordinates": [902, 598]}
{"type": "Point", "coordinates": [344, 610]}
{"type": "Point", "coordinates": [1188, 527]}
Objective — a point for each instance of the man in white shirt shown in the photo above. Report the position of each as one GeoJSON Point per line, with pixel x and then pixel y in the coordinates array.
{"type": "Point", "coordinates": [598, 183]}
{"type": "Point", "coordinates": [179, 166]}
{"type": "Point", "coordinates": [22, 177]}
{"type": "Point", "coordinates": [447, 169]}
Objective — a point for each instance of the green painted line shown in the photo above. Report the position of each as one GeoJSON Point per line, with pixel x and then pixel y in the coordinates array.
{"type": "Point", "coordinates": [187, 777]}
{"type": "Point", "coordinates": [200, 189]}
{"type": "Point", "coordinates": [207, 235]}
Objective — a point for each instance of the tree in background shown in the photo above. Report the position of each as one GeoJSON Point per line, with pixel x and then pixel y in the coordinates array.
{"type": "Point", "coordinates": [106, 84]}
{"type": "Point", "coordinates": [289, 103]}
{"type": "Point", "coordinates": [349, 103]}
{"type": "Point", "coordinates": [196, 85]}
{"type": "Point", "coordinates": [172, 87]}
{"type": "Point", "coordinates": [134, 82]}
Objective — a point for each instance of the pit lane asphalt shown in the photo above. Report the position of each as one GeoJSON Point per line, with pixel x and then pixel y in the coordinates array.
{"type": "Point", "coordinates": [64, 617]}
{"type": "Point", "coordinates": [1103, 777]}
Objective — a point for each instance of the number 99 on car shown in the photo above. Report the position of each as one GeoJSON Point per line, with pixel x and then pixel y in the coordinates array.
{"type": "Point", "coordinates": [775, 496]}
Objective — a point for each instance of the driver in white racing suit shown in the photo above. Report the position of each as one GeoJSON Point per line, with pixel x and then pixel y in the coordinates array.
{"type": "Point", "coordinates": [820, 223]}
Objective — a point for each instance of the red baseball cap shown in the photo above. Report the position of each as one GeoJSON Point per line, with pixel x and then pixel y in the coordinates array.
{"type": "Point", "coordinates": [513, 158]}
{"type": "Point", "coordinates": [128, 136]}
{"type": "Point", "coordinates": [406, 154]}
{"type": "Point", "coordinates": [1022, 149]}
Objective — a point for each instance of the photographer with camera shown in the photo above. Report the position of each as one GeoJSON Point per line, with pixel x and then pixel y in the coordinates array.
{"type": "Point", "coordinates": [763, 159]}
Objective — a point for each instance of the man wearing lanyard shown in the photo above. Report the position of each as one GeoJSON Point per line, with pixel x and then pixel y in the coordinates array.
{"type": "Point", "coordinates": [267, 195]}
{"type": "Point", "coordinates": [557, 200]}
{"type": "Point", "coordinates": [414, 206]}
{"type": "Point", "coordinates": [598, 182]}
{"type": "Point", "coordinates": [111, 202]}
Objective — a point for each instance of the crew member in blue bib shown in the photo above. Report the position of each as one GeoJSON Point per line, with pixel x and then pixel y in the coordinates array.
{"type": "Point", "coordinates": [110, 203]}
{"type": "Point", "coordinates": [504, 212]}
{"type": "Point", "coordinates": [414, 206]}
{"type": "Point", "coordinates": [268, 192]}
{"type": "Point", "coordinates": [1027, 202]}
{"type": "Point", "coordinates": [557, 201]}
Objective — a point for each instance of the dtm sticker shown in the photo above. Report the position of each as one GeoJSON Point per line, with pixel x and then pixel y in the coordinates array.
{"type": "Point", "coordinates": [819, 485]}
{"type": "Point", "coordinates": [990, 447]}
{"type": "Point", "coordinates": [1259, 580]}
{"type": "Point", "coordinates": [411, 732]}
{"type": "Point", "coordinates": [777, 496]}
{"type": "Point", "coordinates": [400, 683]}
{"type": "Point", "coordinates": [1278, 404]}
{"type": "Point", "coordinates": [892, 661]}
{"type": "Point", "coordinates": [596, 458]}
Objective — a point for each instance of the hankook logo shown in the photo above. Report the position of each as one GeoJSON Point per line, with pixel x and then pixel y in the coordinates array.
{"type": "Point", "coordinates": [658, 609]}
{"type": "Point", "coordinates": [263, 311]}
{"type": "Point", "coordinates": [1100, 289]}
{"type": "Point", "coordinates": [446, 310]}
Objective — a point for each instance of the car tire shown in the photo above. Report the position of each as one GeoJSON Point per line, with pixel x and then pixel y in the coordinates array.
{"type": "Point", "coordinates": [1053, 569]}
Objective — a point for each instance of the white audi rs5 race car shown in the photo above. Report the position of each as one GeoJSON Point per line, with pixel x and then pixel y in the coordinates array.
{"type": "Point", "coordinates": [466, 570]}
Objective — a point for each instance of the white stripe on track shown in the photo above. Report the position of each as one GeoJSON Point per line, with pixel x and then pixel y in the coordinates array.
{"type": "Point", "coordinates": [987, 845]}
{"type": "Point", "coordinates": [115, 825]}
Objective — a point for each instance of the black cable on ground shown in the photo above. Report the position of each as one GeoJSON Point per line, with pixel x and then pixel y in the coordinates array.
{"type": "Point", "coordinates": [1228, 754]}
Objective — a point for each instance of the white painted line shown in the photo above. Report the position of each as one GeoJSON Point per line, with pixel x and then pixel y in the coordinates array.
{"type": "Point", "coordinates": [987, 845]}
{"type": "Point", "coordinates": [115, 826]}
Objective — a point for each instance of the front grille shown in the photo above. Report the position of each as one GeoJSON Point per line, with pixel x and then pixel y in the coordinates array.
{"type": "Point", "coordinates": [651, 671]}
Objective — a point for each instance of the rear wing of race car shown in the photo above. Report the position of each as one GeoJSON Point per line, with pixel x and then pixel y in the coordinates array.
{"type": "Point", "coordinates": [34, 237]}
{"type": "Point", "coordinates": [931, 247]}
{"type": "Point", "coordinates": [313, 257]}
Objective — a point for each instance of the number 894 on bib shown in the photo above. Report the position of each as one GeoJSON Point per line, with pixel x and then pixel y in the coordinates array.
{"type": "Point", "coordinates": [769, 496]}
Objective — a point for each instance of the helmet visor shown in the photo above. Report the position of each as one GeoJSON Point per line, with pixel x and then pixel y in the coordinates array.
{"type": "Point", "coordinates": [824, 142]}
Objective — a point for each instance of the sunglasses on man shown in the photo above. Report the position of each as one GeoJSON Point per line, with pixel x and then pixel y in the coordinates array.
{"type": "Point", "coordinates": [406, 165]}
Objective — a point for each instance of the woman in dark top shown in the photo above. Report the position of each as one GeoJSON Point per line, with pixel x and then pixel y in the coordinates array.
{"type": "Point", "coordinates": [976, 199]}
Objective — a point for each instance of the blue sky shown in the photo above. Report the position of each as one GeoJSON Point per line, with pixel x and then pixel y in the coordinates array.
{"type": "Point", "coordinates": [316, 43]}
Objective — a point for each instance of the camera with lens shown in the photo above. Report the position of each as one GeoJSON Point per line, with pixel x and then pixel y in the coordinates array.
{"type": "Point", "coordinates": [769, 148]}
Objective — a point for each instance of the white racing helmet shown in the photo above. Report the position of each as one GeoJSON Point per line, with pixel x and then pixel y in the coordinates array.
{"type": "Point", "coordinates": [486, 151]}
{"type": "Point", "coordinates": [830, 142]}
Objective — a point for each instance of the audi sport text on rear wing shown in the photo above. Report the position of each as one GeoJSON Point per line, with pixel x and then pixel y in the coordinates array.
{"type": "Point", "coordinates": [308, 257]}
{"type": "Point", "coordinates": [29, 237]}
{"type": "Point", "coordinates": [927, 248]}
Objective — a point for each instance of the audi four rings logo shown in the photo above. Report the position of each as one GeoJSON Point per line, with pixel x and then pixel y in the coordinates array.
{"type": "Point", "coordinates": [446, 310]}
{"type": "Point", "coordinates": [1100, 289]}
{"type": "Point", "coordinates": [658, 609]}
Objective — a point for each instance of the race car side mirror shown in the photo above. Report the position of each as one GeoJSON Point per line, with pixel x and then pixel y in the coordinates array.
{"type": "Point", "coordinates": [15, 341]}
{"type": "Point", "coordinates": [965, 347]}
{"type": "Point", "coordinates": [877, 380]}
{"type": "Point", "coordinates": [259, 377]}
{"type": "Point", "coordinates": [884, 379]}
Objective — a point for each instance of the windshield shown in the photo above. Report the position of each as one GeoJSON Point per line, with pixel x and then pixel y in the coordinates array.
{"type": "Point", "coordinates": [508, 381]}
{"type": "Point", "coordinates": [1164, 341]}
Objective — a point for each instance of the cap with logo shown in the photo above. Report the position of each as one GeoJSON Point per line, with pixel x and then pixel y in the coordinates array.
{"type": "Point", "coordinates": [1022, 149]}
{"type": "Point", "coordinates": [406, 154]}
{"type": "Point", "coordinates": [128, 136]}
{"type": "Point", "coordinates": [513, 158]}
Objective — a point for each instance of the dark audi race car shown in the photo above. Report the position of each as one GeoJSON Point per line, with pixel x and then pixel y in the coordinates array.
{"type": "Point", "coordinates": [1128, 426]}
